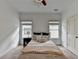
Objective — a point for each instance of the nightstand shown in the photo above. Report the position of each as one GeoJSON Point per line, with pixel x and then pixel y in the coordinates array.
{"type": "Point", "coordinates": [26, 41]}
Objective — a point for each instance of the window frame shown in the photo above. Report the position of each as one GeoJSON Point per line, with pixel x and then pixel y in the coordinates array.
{"type": "Point", "coordinates": [26, 22]}
{"type": "Point", "coordinates": [54, 22]}
{"type": "Point", "coordinates": [24, 31]}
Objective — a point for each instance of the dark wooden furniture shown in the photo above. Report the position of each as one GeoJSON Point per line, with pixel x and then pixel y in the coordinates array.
{"type": "Point", "coordinates": [26, 41]}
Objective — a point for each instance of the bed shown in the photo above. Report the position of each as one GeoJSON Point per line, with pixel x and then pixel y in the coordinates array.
{"type": "Point", "coordinates": [46, 50]}
{"type": "Point", "coordinates": [47, 47]}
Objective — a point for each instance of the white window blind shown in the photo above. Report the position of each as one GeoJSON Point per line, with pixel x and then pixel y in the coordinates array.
{"type": "Point", "coordinates": [54, 29]}
{"type": "Point", "coordinates": [26, 29]}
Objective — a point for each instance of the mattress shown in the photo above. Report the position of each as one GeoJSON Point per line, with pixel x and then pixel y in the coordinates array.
{"type": "Point", "coordinates": [42, 48]}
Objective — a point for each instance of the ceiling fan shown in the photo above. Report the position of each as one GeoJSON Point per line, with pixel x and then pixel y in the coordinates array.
{"type": "Point", "coordinates": [41, 1]}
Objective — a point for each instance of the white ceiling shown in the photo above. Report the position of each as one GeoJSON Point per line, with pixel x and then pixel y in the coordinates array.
{"type": "Point", "coordinates": [31, 6]}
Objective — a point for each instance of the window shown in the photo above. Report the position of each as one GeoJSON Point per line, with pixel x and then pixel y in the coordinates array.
{"type": "Point", "coordinates": [54, 29]}
{"type": "Point", "coordinates": [26, 29]}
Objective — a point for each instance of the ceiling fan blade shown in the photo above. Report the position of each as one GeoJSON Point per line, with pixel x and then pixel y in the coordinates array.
{"type": "Point", "coordinates": [44, 2]}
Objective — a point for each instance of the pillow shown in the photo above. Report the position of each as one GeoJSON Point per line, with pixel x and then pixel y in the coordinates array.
{"type": "Point", "coordinates": [34, 37]}
{"type": "Point", "coordinates": [37, 33]}
{"type": "Point", "coordinates": [37, 38]}
{"type": "Point", "coordinates": [43, 33]}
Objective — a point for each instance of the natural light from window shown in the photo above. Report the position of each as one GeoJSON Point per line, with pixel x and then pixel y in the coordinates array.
{"type": "Point", "coordinates": [26, 29]}
{"type": "Point", "coordinates": [54, 29]}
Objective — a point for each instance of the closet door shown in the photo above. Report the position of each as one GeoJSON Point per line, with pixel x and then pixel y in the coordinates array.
{"type": "Point", "coordinates": [76, 33]}
{"type": "Point", "coordinates": [72, 33]}
{"type": "Point", "coordinates": [71, 36]}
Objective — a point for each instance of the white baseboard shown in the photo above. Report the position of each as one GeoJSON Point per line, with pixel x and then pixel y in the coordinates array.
{"type": "Point", "coordinates": [73, 50]}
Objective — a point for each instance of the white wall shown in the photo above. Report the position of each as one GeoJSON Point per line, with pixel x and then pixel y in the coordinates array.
{"type": "Point", "coordinates": [9, 27]}
{"type": "Point", "coordinates": [40, 21]}
{"type": "Point", "coordinates": [71, 10]}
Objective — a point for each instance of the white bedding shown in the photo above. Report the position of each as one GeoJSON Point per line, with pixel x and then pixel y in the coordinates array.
{"type": "Point", "coordinates": [47, 47]}
{"type": "Point", "coordinates": [37, 44]}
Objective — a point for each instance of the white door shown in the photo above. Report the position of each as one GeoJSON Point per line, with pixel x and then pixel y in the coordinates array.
{"type": "Point", "coordinates": [72, 25]}
{"type": "Point", "coordinates": [76, 33]}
